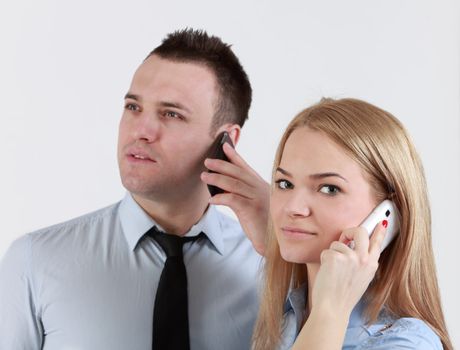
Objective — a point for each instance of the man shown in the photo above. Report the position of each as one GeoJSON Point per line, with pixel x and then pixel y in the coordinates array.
{"type": "Point", "coordinates": [91, 283]}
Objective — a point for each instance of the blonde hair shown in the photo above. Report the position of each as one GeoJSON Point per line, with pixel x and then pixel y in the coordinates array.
{"type": "Point", "coordinates": [405, 282]}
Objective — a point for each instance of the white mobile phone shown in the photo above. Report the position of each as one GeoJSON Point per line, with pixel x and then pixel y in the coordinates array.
{"type": "Point", "coordinates": [384, 211]}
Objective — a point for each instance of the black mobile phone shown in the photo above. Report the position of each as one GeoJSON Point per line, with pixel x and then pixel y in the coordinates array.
{"type": "Point", "coordinates": [217, 152]}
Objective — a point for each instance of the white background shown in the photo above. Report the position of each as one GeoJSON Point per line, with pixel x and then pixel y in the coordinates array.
{"type": "Point", "coordinates": [66, 65]}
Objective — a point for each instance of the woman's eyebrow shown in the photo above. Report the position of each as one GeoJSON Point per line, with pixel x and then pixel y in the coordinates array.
{"type": "Point", "coordinates": [327, 174]}
{"type": "Point", "coordinates": [284, 172]}
{"type": "Point", "coordinates": [314, 176]}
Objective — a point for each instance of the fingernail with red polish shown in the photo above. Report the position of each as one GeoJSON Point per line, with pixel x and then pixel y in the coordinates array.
{"type": "Point", "coordinates": [385, 223]}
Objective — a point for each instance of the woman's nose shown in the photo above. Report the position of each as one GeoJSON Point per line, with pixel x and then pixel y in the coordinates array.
{"type": "Point", "coordinates": [298, 205]}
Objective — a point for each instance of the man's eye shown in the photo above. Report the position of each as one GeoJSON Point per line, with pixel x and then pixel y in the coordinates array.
{"type": "Point", "coordinates": [171, 114]}
{"type": "Point", "coordinates": [132, 107]}
{"type": "Point", "coordinates": [329, 189]}
{"type": "Point", "coordinates": [284, 184]}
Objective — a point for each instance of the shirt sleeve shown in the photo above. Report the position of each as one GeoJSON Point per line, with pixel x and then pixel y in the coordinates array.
{"type": "Point", "coordinates": [20, 328]}
{"type": "Point", "coordinates": [407, 334]}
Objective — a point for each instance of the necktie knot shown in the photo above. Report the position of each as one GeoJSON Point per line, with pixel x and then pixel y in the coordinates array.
{"type": "Point", "coordinates": [171, 244]}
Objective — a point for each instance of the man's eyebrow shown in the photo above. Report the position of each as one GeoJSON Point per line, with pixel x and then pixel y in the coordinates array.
{"type": "Point", "coordinates": [314, 176]}
{"type": "Point", "coordinates": [132, 96]}
{"type": "Point", "coordinates": [162, 104]}
{"type": "Point", "coordinates": [174, 105]}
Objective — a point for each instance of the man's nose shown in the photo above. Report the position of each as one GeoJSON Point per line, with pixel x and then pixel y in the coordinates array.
{"type": "Point", "coordinates": [147, 127]}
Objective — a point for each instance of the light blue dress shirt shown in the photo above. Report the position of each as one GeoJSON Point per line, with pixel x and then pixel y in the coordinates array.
{"type": "Point", "coordinates": [387, 333]}
{"type": "Point", "coordinates": [90, 283]}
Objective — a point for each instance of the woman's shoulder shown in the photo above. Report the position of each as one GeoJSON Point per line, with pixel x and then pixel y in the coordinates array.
{"type": "Point", "coordinates": [401, 333]}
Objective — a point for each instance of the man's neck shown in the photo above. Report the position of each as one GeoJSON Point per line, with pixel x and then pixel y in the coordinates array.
{"type": "Point", "coordinates": [175, 216]}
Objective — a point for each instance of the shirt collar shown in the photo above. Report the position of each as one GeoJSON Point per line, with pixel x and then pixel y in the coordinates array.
{"type": "Point", "coordinates": [357, 318]}
{"type": "Point", "coordinates": [296, 301]}
{"type": "Point", "coordinates": [135, 222]}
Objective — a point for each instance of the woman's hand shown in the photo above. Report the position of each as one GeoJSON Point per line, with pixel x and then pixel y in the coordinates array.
{"type": "Point", "coordinates": [246, 193]}
{"type": "Point", "coordinates": [345, 273]}
{"type": "Point", "coordinates": [342, 279]}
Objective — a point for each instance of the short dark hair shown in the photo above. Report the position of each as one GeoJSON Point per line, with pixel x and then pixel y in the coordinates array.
{"type": "Point", "coordinates": [234, 89]}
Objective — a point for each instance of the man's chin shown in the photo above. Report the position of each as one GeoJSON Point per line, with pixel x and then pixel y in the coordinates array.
{"type": "Point", "coordinates": [165, 189]}
{"type": "Point", "coordinates": [138, 187]}
{"type": "Point", "coordinates": [153, 192]}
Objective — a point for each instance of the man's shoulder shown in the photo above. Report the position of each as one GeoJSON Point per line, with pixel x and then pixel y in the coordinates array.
{"type": "Point", "coordinates": [48, 241]}
{"type": "Point", "coordinates": [227, 222]}
{"type": "Point", "coordinates": [234, 238]}
{"type": "Point", "coordinates": [230, 229]}
{"type": "Point", "coordinates": [77, 224]}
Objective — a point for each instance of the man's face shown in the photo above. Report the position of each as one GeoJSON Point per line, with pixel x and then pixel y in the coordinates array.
{"type": "Point", "coordinates": [164, 132]}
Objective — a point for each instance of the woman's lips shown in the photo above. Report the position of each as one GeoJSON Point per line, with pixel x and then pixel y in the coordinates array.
{"type": "Point", "coordinates": [296, 232]}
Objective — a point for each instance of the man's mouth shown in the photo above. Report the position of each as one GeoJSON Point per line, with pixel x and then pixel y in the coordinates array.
{"type": "Point", "coordinates": [139, 157]}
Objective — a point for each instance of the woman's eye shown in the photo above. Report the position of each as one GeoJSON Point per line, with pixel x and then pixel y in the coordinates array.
{"type": "Point", "coordinates": [132, 107]}
{"type": "Point", "coordinates": [329, 189]}
{"type": "Point", "coordinates": [284, 184]}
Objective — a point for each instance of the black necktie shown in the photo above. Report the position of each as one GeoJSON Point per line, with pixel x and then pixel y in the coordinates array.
{"type": "Point", "coordinates": [170, 315]}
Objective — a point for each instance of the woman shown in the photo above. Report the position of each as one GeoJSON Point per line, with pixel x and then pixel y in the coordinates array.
{"type": "Point", "coordinates": [336, 161]}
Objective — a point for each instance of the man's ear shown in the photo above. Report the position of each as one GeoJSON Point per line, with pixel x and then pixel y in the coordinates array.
{"type": "Point", "coordinates": [233, 130]}
{"type": "Point", "coordinates": [234, 133]}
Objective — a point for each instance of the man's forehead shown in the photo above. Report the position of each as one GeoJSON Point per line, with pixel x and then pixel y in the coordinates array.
{"type": "Point", "coordinates": [181, 83]}
{"type": "Point", "coordinates": [159, 65]}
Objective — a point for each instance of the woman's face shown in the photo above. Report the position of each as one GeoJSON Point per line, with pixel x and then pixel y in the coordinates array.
{"type": "Point", "coordinates": [318, 192]}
